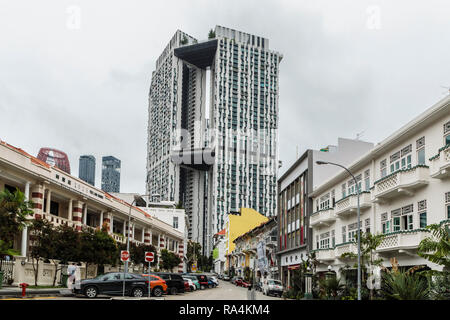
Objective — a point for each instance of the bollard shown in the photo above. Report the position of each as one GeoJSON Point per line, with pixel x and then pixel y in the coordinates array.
{"type": "Point", "coordinates": [24, 288]}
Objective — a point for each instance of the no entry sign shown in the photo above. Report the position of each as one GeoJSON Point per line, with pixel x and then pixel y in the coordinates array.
{"type": "Point", "coordinates": [124, 255]}
{"type": "Point", "coordinates": [149, 256]}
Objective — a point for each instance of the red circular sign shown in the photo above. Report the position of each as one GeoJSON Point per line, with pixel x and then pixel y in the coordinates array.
{"type": "Point", "coordinates": [124, 255]}
{"type": "Point", "coordinates": [149, 256]}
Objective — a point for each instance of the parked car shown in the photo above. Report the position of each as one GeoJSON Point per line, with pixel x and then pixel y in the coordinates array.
{"type": "Point", "coordinates": [202, 279]}
{"type": "Point", "coordinates": [214, 280]}
{"type": "Point", "coordinates": [242, 283]}
{"type": "Point", "coordinates": [193, 279]}
{"type": "Point", "coordinates": [157, 284]}
{"type": "Point", "coordinates": [191, 285]}
{"type": "Point", "coordinates": [234, 280]}
{"type": "Point", "coordinates": [220, 276]}
{"type": "Point", "coordinates": [226, 277]}
{"type": "Point", "coordinates": [112, 284]}
{"type": "Point", "coordinates": [174, 281]}
{"type": "Point", "coordinates": [271, 286]}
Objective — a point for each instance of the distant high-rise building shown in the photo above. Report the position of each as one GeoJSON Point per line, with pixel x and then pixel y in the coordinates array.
{"type": "Point", "coordinates": [110, 174]}
{"type": "Point", "coordinates": [55, 158]}
{"type": "Point", "coordinates": [86, 170]}
{"type": "Point", "coordinates": [227, 87]}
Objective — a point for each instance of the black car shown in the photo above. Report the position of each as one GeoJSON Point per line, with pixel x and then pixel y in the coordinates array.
{"type": "Point", "coordinates": [112, 284]}
{"type": "Point", "coordinates": [174, 281]}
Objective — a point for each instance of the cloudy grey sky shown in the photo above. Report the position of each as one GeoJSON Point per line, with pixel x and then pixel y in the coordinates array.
{"type": "Point", "coordinates": [81, 86]}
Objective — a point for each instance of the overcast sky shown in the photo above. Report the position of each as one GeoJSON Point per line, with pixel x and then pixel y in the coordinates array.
{"type": "Point", "coordinates": [81, 85]}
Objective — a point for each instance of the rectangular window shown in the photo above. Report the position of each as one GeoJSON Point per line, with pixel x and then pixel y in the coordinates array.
{"type": "Point", "coordinates": [344, 193]}
{"type": "Point", "coordinates": [447, 204]}
{"type": "Point", "coordinates": [367, 180]}
{"type": "Point", "coordinates": [383, 169]}
{"type": "Point", "coordinates": [175, 222]}
{"type": "Point", "coordinates": [344, 234]}
{"type": "Point", "coordinates": [423, 219]}
{"type": "Point", "coordinates": [421, 156]}
{"type": "Point", "coordinates": [396, 223]}
{"type": "Point", "coordinates": [386, 227]}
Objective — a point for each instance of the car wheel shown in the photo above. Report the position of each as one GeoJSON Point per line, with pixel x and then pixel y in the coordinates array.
{"type": "Point", "coordinates": [202, 287]}
{"type": "Point", "coordinates": [157, 292]}
{"type": "Point", "coordinates": [173, 290]}
{"type": "Point", "coordinates": [91, 292]}
{"type": "Point", "coordinates": [137, 292]}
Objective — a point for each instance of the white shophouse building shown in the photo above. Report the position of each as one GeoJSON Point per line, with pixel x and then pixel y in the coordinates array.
{"type": "Point", "coordinates": [405, 186]}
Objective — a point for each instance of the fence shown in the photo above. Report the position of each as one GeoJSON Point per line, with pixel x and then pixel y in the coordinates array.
{"type": "Point", "coordinates": [7, 266]}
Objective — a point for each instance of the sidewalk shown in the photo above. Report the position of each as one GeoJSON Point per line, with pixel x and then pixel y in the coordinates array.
{"type": "Point", "coordinates": [13, 291]}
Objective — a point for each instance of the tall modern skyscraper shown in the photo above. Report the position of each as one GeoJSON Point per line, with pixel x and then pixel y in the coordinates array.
{"type": "Point", "coordinates": [86, 169]}
{"type": "Point", "coordinates": [212, 130]}
{"type": "Point", "coordinates": [110, 174]}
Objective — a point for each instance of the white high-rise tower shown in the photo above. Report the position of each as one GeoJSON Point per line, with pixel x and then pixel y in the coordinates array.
{"type": "Point", "coordinates": [227, 157]}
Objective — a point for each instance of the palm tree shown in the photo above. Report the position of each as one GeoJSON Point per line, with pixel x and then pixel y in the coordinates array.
{"type": "Point", "coordinates": [331, 287]}
{"type": "Point", "coordinates": [405, 286]}
{"type": "Point", "coordinates": [437, 247]}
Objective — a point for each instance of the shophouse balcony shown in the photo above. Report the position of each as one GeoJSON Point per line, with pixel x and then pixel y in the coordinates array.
{"type": "Point", "coordinates": [349, 205]}
{"type": "Point", "coordinates": [402, 240]}
{"type": "Point", "coordinates": [57, 221]}
{"type": "Point", "coordinates": [440, 163]}
{"type": "Point", "coordinates": [346, 247]}
{"type": "Point", "coordinates": [119, 238]}
{"type": "Point", "coordinates": [322, 218]}
{"type": "Point", "coordinates": [403, 181]}
{"type": "Point", "coordinates": [323, 255]}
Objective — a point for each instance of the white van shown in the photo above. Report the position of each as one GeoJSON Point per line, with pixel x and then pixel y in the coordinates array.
{"type": "Point", "coordinates": [271, 286]}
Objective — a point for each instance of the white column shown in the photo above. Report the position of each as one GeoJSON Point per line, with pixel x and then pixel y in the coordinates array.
{"type": "Point", "coordinates": [143, 236]}
{"type": "Point", "coordinates": [85, 214]}
{"type": "Point", "coordinates": [111, 223]}
{"type": "Point", "coordinates": [101, 219]}
{"type": "Point", "coordinates": [69, 215]}
{"type": "Point", "coordinates": [49, 195]}
{"type": "Point", "coordinates": [151, 236]}
{"type": "Point", "coordinates": [132, 234]}
{"type": "Point", "coordinates": [124, 228]}
{"type": "Point", "coordinates": [25, 229]}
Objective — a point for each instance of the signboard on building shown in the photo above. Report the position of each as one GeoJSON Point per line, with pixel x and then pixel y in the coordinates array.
{"type": "Point", "coordinates": [262, 259]}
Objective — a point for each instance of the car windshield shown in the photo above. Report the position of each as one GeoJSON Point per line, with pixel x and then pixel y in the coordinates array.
{"type": "Point", "coordinates": [274, 282]}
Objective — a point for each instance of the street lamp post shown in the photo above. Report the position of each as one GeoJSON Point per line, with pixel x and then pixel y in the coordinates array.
{"type": "Point", "coordinates": [358, 218]}
{"type": "Point", "coordinates": [125, 270]}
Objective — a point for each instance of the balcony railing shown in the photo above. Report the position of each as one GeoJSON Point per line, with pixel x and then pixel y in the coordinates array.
{"type": "Point", "coordinates": [57, 221]}
{"type": "Point", "coordinates": [407, 239]}
{"type": "Point", "coordinates": [440, 163]}
{"type": "Point", "coordinates": [324, 217]}
{"type": "Point", "coordinates": [401, 181]}
{"type": "Point", "coordinates": [344, 248]}
{"type": "Point", "coordinates": [325, 254]}
{"type": "Point", "coordinates": [349, 204]}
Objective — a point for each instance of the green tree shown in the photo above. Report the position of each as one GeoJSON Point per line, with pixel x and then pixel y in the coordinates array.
{"type": "Point", "coordinates": [369, 260]}
{"type": "Point", "coordinates": [404, 286]}
{"type": "Point", "coordinates": [137, 254]}
{"type": "Point", "coordinates": [437, 247]}
{"type": "Point", "coordinates": [42, 247]}
{"type": "Point", "coordinates": [169, 260]}
{"type": "Point", "coordinates": [184, 40]}
{"type": "Point", "coordinates": [66, 247]}
{"type": "Point", "coordinates": [14, 210]}
{"type": "Point", "coordinates": [331, 287]}
{"type": "Point", "coordinates": [211, 34]}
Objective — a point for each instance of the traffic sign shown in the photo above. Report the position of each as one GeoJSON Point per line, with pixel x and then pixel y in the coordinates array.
{"type": "Point", "coordinates": [149, 256]}
{"type": "Point", "coordinates": [124, 255]}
